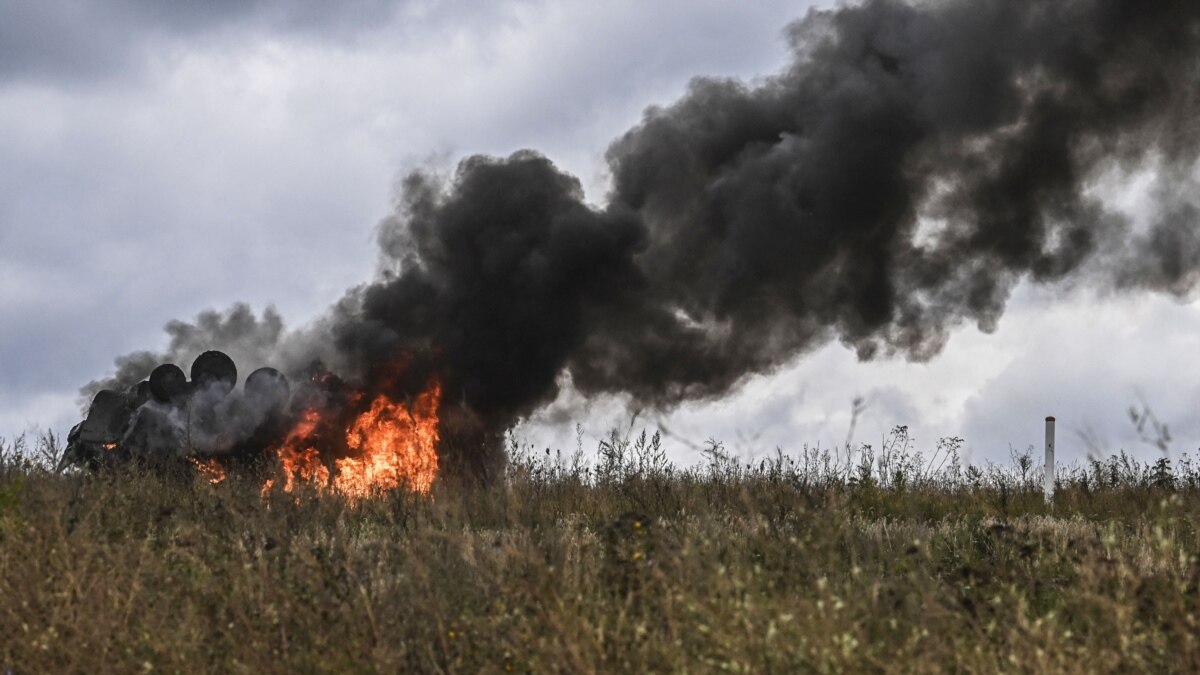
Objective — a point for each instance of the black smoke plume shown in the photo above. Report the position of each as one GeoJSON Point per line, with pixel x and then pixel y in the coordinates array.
{"type": "Point", "coordinates": [910, 166]}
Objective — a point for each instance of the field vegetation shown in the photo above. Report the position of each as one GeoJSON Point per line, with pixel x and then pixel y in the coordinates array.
{"type": "Point", "coordinates": [865, 560]}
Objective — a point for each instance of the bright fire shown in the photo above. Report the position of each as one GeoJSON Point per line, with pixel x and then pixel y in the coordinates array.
{"type": "Point", "coordinates": [210, 468]}
{"type": "Point", "coordinates": [391, 445]}
{"type": "Point", "coordinates": [299, 460]}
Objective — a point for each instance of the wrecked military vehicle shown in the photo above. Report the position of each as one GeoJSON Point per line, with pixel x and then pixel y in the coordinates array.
{"type": "Point", "coordinates": [169, 419]}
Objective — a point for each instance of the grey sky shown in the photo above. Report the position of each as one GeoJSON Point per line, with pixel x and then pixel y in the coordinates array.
{"type": "Point", "coordinates": [158, 159]}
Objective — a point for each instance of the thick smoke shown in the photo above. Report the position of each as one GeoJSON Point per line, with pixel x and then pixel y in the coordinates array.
{"type": "Point", "coordinates": [899, 178]}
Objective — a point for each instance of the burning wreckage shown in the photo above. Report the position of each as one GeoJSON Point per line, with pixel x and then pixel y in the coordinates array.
{"type": "Point", "coordinates": [326, 432]}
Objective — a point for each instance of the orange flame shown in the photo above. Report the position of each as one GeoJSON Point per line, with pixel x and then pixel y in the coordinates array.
{"type": "Point", "coordinates": [210, 468]}
{"type": "Point", "coordinates": [397, 445]}
{"type": "Point", "coordinates": [394, 445]}
{"type": "Point", "coordinates": [299, 460]}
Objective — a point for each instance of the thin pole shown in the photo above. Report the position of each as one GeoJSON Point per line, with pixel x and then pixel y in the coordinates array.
{"type": "Point", "coordinates": [1049, 469]}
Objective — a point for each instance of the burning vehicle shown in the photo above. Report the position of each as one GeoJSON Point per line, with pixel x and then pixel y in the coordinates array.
{"type": "Point", "coordinates": [325, 432]}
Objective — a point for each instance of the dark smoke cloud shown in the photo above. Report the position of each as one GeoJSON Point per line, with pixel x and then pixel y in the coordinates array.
{"type": "Point", "coordinates": [505, 273]}
{"type": "Point", "coordinates": [792, 208]}
{"type": "Point", "coordinates": [899, 178]}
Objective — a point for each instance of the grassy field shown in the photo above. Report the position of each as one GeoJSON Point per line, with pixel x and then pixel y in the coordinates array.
{"type": "Point", "coordinates": [880, 561]}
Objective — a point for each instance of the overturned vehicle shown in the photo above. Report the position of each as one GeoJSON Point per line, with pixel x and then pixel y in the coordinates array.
{"type": "Point", "coordinates": [170, 421]}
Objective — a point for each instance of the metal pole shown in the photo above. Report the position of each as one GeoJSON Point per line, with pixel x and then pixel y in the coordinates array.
{"type": "Point", "coordinates": [1049, 469]}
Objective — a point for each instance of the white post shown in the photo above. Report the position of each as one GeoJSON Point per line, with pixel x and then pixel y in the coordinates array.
{"type": "Point", "coordinates": [1049, 469]}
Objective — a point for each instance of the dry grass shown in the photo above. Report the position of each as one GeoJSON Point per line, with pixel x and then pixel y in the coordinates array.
{"type": "Point", "coordinates": [806, 565]}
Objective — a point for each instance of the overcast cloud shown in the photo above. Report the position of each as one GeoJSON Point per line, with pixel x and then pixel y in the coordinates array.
{"type": "Point", "coordinates": [159, 159]}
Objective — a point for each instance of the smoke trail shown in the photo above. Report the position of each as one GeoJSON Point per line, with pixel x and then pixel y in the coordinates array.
{"type": "Point", "coordinates": [910, 166]}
